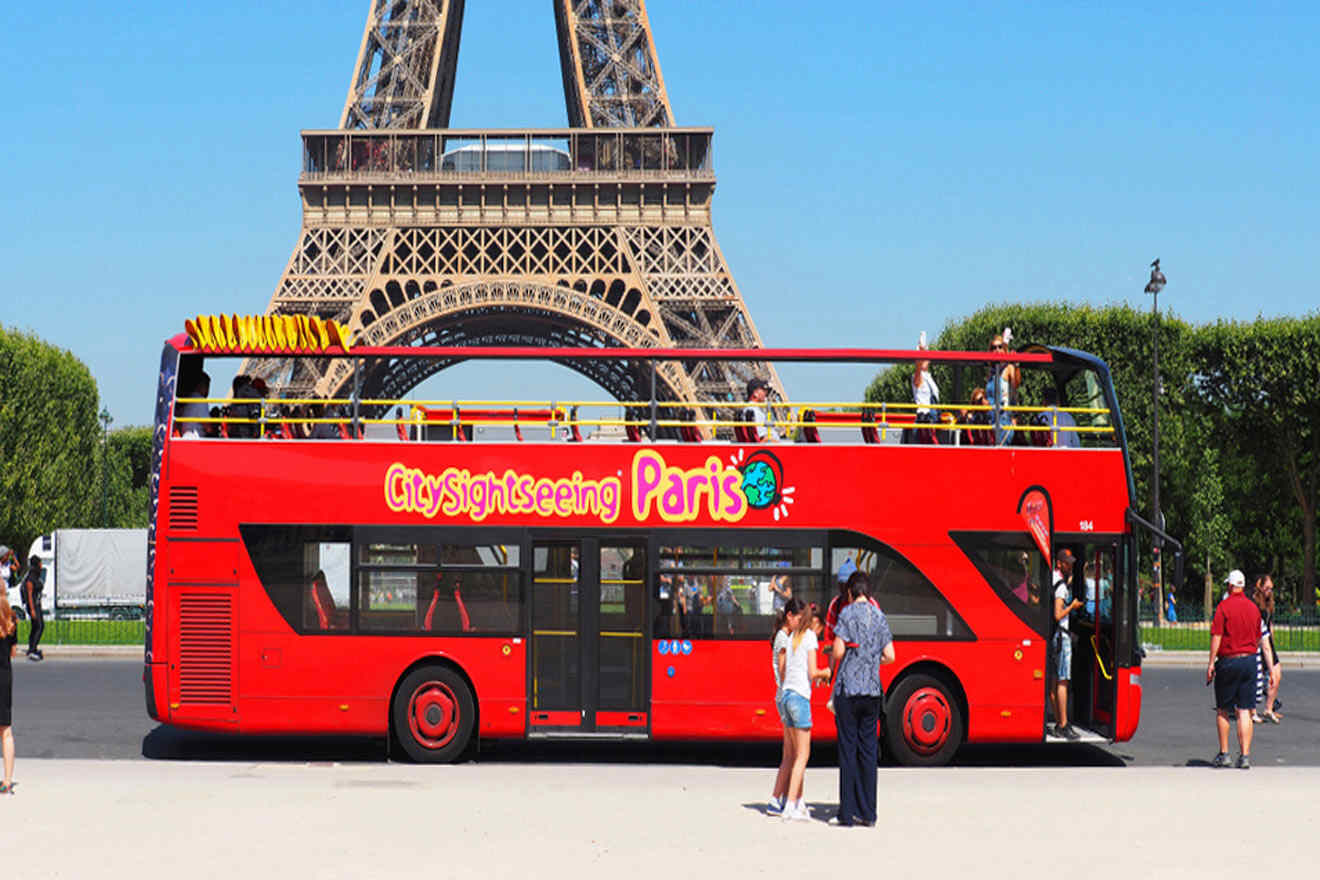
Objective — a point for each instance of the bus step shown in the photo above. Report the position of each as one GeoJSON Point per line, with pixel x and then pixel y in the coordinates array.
{"type": "Point", "coordinates": [606, 735]}
{"type": "Point", "coordinates": [1085, 735]}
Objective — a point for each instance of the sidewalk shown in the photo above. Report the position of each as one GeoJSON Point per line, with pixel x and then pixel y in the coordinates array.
{"type": "Point", "coordinates": [136, 819]}
{"type": "Point", "coordinates": [1289, 659]}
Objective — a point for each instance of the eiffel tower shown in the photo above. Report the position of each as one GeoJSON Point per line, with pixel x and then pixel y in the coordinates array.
{"type": "Point", "coordinates": [594, 235]}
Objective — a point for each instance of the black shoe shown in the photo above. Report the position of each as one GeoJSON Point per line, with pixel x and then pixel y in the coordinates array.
{"type": "Point", "coordinates": [1067, 732]}
{"type": "Point", "coordinates": [1243, 762]}
{"type": "Point", "coordinates": [1220, 761]}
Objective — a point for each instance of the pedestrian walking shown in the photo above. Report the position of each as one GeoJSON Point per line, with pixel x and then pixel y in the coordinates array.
{"type": "Point", "coordinates": [1267, 687]}
{"type": "Point", "coordinates": [796, 660]}
{"type": "Point", "coordinates": [862, 643]}
{"type": "Point", "coordinates": [8, 643]}
{"type": "Point", "coordinates": [34, 582]}
{"type": "Point", "coordinates": [1235, 634]}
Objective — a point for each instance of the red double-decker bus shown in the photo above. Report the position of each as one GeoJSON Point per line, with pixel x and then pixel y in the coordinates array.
{"type": "Point", "coordinates": [442, 572]}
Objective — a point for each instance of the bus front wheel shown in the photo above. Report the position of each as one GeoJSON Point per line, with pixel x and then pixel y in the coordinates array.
{"type": "Point", "coordinates": [923, 722]}
{"type": "Point", "coordinates": [434, 714]}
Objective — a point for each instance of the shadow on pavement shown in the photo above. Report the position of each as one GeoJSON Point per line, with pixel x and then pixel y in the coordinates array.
{"type": "Point", "coordinates": [165, 743]}
{"type": "Point", "coordinates": [1036, 755]}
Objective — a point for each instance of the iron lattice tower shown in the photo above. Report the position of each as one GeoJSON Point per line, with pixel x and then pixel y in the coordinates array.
{"type": "Point", "coordinates": [598, 234]}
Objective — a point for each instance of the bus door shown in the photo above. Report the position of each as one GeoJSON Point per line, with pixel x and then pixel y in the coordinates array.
{"type": "Point", "coordinates": [1096, 653]}
{"type": "Point", "coordinates": [588, 665]}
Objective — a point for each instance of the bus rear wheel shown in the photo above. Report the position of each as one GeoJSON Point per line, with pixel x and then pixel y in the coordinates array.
{"type": "Point", "coordinates": [434, 714]}
{"type": "Point", "coordinates": [923, 722]}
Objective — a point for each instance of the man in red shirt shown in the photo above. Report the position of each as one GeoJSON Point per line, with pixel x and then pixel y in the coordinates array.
{"type": "Point", "coordinates": [1234, 637]}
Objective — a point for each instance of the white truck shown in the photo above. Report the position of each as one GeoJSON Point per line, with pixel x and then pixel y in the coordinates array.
{"type": "Point", "coordinates": [93, 573]}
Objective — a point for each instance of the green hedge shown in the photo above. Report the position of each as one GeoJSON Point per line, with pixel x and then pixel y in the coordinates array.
{"type": "Point", "coordinates": [87, 632]}
{"type": "Point", "coordinates": [1197, 638]}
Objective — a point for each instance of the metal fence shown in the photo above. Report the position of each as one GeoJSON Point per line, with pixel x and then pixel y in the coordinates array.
{"type": "Point", "coordinates": [1294, 629]}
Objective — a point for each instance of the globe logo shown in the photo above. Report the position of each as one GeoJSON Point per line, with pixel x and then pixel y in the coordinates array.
{"type": "Point", "coordinates": [760, 481]}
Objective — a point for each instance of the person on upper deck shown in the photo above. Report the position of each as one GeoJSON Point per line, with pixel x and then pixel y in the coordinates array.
{"type": "Point", "coordinates": [1063, 427]}
{"type": "Point", "coordinates": [758, 390]}
{"type": "Point", "coordinates": [1001, 388]}
{"type": "Point", "coordinates": [925, 394]}
{"type": "Point", "coordinates": [201, 389]}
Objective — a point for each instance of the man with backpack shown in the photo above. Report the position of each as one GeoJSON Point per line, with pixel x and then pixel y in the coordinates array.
{"type": "Point", "coordinates": [1060, 662]}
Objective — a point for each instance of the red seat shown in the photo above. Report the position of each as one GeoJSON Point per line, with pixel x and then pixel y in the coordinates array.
{"type": "Point", "coordinates": [809, 432]}
{"type": "Point", "coordinates": [328, 617]}
{"type": "Point", "coordinates": [744, 431]}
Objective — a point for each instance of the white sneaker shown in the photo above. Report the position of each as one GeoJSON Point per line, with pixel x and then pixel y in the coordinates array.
{"type": "Point", "coordinates": [775, 806]}
{"type": "Point", "coordinates": [797, 812]}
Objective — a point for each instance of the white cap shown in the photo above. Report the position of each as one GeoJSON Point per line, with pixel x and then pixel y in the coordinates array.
{"type": "Point", "coordinates": [1236, 579]}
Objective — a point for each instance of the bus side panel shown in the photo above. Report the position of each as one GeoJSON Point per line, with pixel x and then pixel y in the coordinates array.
{"type": "Point", "coordinates": [1129, 703]}
{"type": "Point", "coordinates": [1003, 682]}
{"type": "Point", "coordinates": [344, 683]}
{"type": "Point", "coordinates": [712, 691]}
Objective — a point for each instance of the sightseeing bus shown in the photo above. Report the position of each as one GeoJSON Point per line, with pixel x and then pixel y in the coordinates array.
{"type": "Point", "coordinates": [610, 572]}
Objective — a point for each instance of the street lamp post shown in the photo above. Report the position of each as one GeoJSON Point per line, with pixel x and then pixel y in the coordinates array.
{"type": "Point", "coordinates": [1153, 287]}
{"type": "Point", "coordinates": [105, 465]}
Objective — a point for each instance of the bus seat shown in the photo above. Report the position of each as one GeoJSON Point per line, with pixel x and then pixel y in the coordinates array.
{"type": "Point", "coordinates": [328, 616]}
{"type": "Point", "coordinates": [688, 433]}
{"type": "Point", "coordinates": [809, 432]}
{"type": "Point", "coordinates": [743, 432]}
{"type": "Point", "coordinates": [633, 433]}
{"type": "Point", "coordinates": [1041, 438]}
{"type": "Point", "coordinates": [869, 433]}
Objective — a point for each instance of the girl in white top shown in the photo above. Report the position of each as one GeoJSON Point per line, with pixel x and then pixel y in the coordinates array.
{"type": "Point", "coordinates": [796, 662]}
{"type": "Point", "coordinates": [780, 643]}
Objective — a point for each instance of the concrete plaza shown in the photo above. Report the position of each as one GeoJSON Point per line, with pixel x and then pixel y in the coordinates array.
{"type": "Point", "coordinates": [84, 819]}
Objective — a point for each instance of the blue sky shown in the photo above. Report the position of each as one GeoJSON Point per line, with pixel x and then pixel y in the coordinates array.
{"type": "Point", "coordinates": [883, 168]}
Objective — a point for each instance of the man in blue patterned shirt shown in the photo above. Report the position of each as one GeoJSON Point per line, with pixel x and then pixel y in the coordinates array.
{"type": "Point", "coordinates": [862, 643]}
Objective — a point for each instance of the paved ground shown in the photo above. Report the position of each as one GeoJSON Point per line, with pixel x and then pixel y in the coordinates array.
{"type": "Point", "coordinates": [179, 819]}
{"type": "Point", "coordinates": [93, 708]}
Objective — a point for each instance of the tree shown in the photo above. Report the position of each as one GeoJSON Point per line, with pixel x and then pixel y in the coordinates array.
{"type": "Point", "coordinates": [1238, 422]}
{"type": "Point", "coordinates": [1259, 381]}
{"type": "Point", "coordinates": [1208, 536]}
{"type": "Point", "coordinates": [128, 504]}
{"type": "Point", "coordinates": [48, 439]}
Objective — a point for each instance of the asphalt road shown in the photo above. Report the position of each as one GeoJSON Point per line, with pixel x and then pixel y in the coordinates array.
{"type": "Point", "coordinates": [93, 708]}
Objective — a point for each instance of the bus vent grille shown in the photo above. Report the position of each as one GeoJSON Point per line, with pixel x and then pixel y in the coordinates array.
{"type": "Point", "coordinates": [205, 648]}
{"type": "Point", "coordinates": [183, 508]}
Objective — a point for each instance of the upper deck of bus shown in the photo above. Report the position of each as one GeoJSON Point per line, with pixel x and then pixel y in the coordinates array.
{"type": "Point", "coordinates": [831, 439]}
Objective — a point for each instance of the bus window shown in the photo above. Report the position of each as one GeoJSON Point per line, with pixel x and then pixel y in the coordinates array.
{"type": "Point", "coordinates": [387, 599]}
{"type": "Point", "coordinates": [305, 572]}
{"type": "Point", "coordinates": [728, 590]}
{"type": "Point", "coordinates": [1015, 569]}
{"type": "Point", "coordinates": [914, 608]}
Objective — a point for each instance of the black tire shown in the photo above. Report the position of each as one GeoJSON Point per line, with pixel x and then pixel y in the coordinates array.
{"type": "Point", "coordinates": [923, 722]}
{"type": "Point", "coordinates": [434, 715]}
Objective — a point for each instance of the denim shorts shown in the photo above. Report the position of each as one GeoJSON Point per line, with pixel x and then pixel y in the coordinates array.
{"type": "Point", "coordinates": [1061, 649]}
{"type": "Point", "coordinates": [795, 709]}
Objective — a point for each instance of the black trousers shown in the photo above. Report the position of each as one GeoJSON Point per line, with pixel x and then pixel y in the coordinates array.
{"type": "Point", "coordinates": [856, 719]}
{"type": "Point", "coordinates": [38, 627]}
